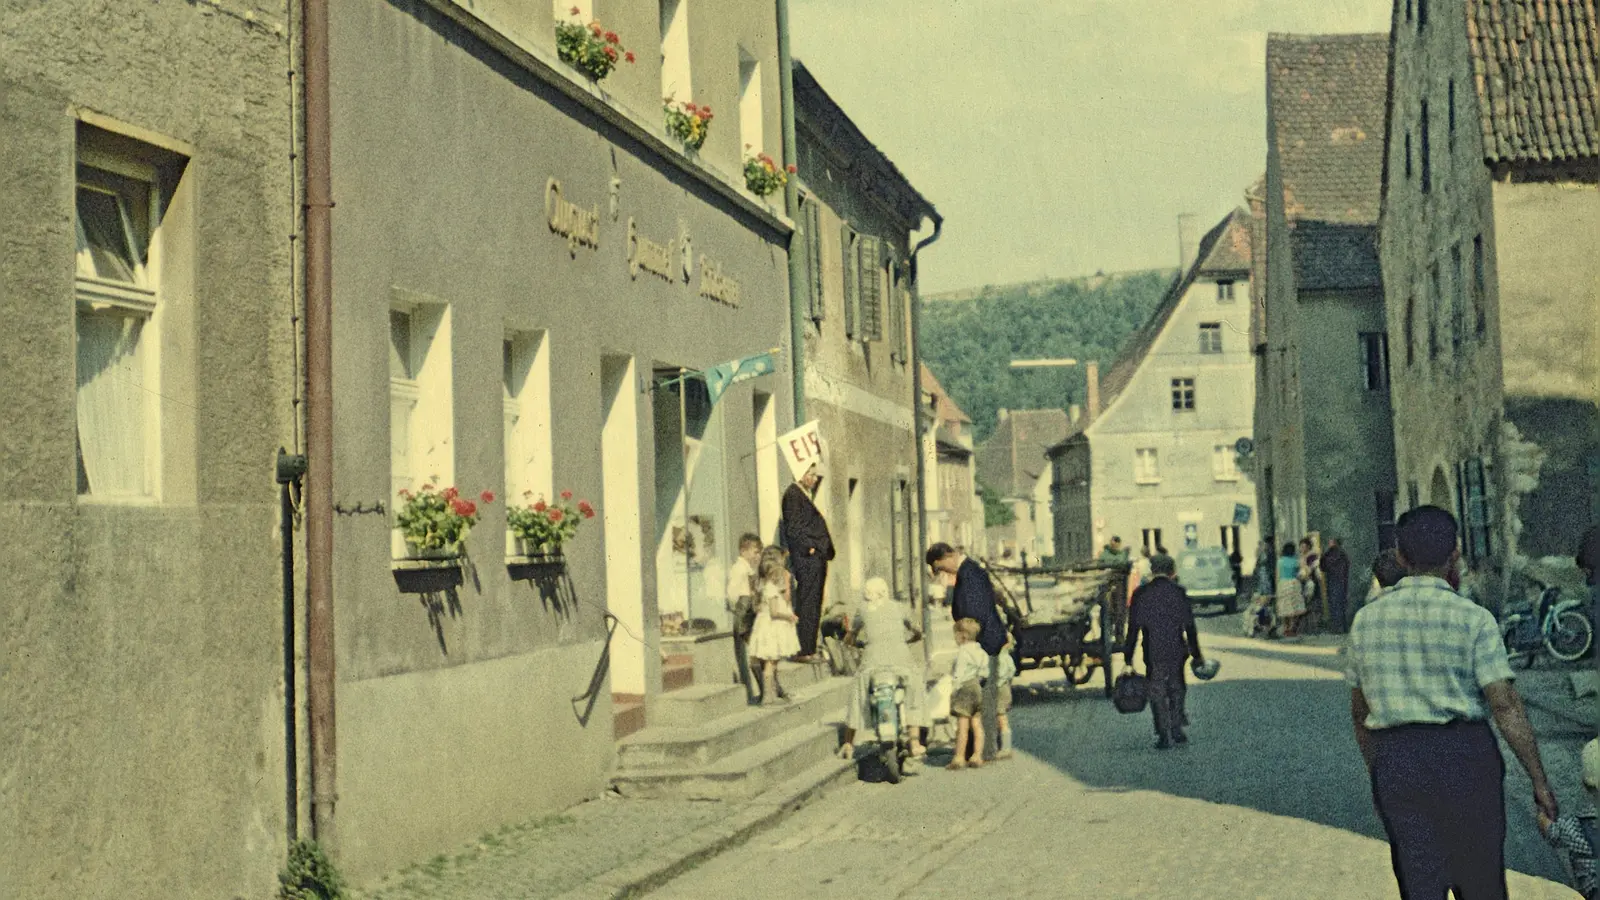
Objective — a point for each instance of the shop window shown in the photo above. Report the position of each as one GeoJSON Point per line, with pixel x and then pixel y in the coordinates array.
{"type": "Point", "coordinates": [119, 298]}
{"type": "Point", "coordinates": [421, 427]}
{"type": "Point", "coordinates": [1374, 360]}
{"type": "Point", "coordinates": [1183, 394]}
{"type": "Point", "coordinates": [675, 80]}
{"type": "Point", "coordinates": [525, 395]}
{"type": "Point", "coordinates": [751, 110]}
{"type": "Point", "coordinates": [1210, 337]}
{"type": "Point", "coordinates": [1146, 466]}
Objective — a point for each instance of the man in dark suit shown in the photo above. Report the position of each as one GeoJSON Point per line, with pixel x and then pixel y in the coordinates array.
{"type": "Point", "coordinates": [1162, 614]}
{"type": "Point", "coordinates": [972, 597]}
{"type": "Point", "coordinates": [805, 534]}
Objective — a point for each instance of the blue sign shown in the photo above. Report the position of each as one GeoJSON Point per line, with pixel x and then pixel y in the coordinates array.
{"type": "Point", "coordinates": [1241, 514]}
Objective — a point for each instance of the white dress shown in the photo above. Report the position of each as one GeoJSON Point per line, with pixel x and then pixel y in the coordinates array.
{"type": "Point", "coordinates": [883, 630]}
{"type": "Point", "coordinates": [773, 636]}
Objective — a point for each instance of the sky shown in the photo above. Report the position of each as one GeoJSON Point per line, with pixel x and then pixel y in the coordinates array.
{"type": "Point", "coordinates": [1061, 137]}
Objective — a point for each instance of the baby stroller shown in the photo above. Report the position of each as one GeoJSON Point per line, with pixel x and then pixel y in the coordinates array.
{"type": "Point", "coordinates": [1260, 618]}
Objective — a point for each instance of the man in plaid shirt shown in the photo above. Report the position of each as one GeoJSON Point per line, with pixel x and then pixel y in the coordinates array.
{"type": "Point", "coordinates": [1427, 670]}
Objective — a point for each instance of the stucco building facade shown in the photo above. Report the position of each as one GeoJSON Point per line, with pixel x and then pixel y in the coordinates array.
{"type": "Point", "coordinates": [950, 491]}
{"type": "Point", "coordinates": [1153, 461]}
{"type": "Point", "coordinates": [1012, 462]}
{"type": "Point", "coordinates": [1491, 247]}
{"type": "Point", "coordinates": [521, 283]}
{"type": "Point", "coordinates": [146, 276]}
{"type": "Point", "coordinates": [859, 215]}
{"type": "Point", "coordinates": [1324, 438]}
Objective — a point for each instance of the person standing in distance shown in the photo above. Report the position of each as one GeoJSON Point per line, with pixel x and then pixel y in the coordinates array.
{"type": "Point", "coordinates": [805, 534]}
{"type": "Point", "coordinates": [1427, 670]}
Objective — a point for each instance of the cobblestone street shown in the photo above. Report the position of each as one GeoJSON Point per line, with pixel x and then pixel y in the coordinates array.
{"type": "Point", "coordinates": [1269, 801]}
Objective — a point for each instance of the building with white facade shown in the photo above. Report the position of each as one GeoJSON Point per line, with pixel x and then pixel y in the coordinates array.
{"type": "Point", "coordinates": [1153, 460]}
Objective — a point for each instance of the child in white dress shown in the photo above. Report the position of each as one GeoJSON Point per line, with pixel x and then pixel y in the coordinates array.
{"type": "Point", "coordinates": [773, 636]}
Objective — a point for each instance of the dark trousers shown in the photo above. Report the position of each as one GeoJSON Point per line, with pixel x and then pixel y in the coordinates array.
{"type": "Point", "coordinates": [1167, 691]}
{"type": "Point", "coordinates": [810, 575]}
{"type": "Point", "coordinates": [1440, 791]}
{"type": "Point", "coordinates": [1338, 606]}
{"type": "Point", "coordinates": [741, 663]}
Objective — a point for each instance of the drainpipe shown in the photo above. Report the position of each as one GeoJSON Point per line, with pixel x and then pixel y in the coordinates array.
{"type": "Point", "coordinates": [319, 422]}
{"type": "Point", "coordinates": [290, 470]}
{"type": "Point", "coordinates": [919, 423]}
{"type": "Point", "coordinates": [798, 278]}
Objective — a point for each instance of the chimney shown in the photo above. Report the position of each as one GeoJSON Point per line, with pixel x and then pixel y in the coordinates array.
{"type": "Point", "coordinates": [1091, 372]}
{"type": "Point", "coordinates": [1186, 242]}
{"type": "Point", "coordinates": [1074, 413]}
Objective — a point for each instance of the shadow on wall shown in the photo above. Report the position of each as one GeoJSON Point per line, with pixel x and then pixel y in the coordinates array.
{"type": "Point", "coordinates": [1282, 747]}
{"type": "Point", "coordinates": [1556, 515]}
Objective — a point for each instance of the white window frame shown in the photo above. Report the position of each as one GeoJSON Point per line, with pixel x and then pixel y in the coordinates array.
{"type": "Point", "coordinates": [430, 442]}
{"type": "Point", "coordinates": [1146, 465]}
{"type": "Point", "coordinates": [1210, 338]}
{"type": "Point", "coordinates": [752, 108]}
{"type": "Point", "coordinates": [1225, 291]}
{"type": "Point", "coordinates": [676, 74]}
{"type": "Point", "coordinates": [525, 401]}
{"type": "Point", "coordinates": [1224, 463]}
{"type": "Point", "coordinates": [135, 302]}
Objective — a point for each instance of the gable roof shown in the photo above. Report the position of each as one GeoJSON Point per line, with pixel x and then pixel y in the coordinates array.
{"type": "Point", "coordinates": [1533, 64]}
{"type": "Point", "coordinates": [1225, 250]}
{"type": "Point", "coordinates": [1014, 455]}
{"type": "Point", "coordinates": [945, 409]}
{"type": "Point", "coordinates": [1326, 95]}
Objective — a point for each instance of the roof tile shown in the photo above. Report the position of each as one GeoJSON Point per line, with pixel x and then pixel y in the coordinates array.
{"type": "Point", "coordinates": [1533, 64]}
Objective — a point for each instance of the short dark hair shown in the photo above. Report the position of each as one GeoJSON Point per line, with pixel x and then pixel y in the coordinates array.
{"type": "Point", "coordinates": [749, 539]}
{"type": "Point", "coordinates": [1162, 564]}
{"type": "Point", "coordinates": [1288, 549]}
{"type": "Point", "coordinates": [1426, 536]}
{"type": "Point", "coordinates": [1387, 569]}
{"type": "Point", "coordinates": [937, 552]}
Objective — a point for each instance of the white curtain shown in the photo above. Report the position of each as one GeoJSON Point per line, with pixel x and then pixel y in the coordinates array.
{"type": "Point", "coordinates": [113, 405]}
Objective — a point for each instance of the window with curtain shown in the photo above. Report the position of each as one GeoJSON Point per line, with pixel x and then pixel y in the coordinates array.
{"type": "Point", "coordinates": [1146, 466]}
{"type": "Point", "coordinates": [116, 289]}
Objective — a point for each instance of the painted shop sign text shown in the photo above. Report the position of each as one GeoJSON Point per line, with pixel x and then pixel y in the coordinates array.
{"type": "Point", "coordinates": [717, 285]}
{"type": "Point", "coordinates": [643, 253]}
{"type": "Point", "coordinates": [581, 227]}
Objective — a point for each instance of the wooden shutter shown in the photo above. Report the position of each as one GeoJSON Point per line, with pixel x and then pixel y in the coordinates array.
{"type": "Point", "coordinates": [848, 261]}
{"type": "Point", "coordinates": [813, 227]}
{"type": "Point", "coordinates": [897, 312]}
{"type": "Point", "coordinates": [870, 274]}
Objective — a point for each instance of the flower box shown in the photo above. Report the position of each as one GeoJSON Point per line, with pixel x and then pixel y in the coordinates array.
{"type": "Point", "coordinates": [690, 123]}
{"type": "Point", "coordinates": [590, 49]}
{"type": "Point", "coordinates": [433, 525]}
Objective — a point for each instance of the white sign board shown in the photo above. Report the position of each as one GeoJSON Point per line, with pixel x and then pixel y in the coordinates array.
{"type": "Point", "coordinates": [802, 448]}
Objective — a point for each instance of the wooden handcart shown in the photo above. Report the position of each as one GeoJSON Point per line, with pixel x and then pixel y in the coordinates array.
{"type": "Point", "coordinates": [1070, 616]}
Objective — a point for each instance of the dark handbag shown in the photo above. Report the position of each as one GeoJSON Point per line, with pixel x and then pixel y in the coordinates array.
{"type": "Point", "coordinates": [1130, 692]}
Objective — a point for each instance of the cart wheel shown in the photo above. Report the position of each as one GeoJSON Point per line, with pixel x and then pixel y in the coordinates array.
{"type": "Point", "coordinates": [1077, 671]}
{"type": "Point", "coordinates": [891, 763]}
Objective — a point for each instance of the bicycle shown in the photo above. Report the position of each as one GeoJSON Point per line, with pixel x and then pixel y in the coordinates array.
{"type": "Point", "coordinates": [1561, 627]}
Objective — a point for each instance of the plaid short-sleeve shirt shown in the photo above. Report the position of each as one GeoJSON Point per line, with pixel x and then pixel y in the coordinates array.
{"type": "Point", "coordinates": [1421, 654]}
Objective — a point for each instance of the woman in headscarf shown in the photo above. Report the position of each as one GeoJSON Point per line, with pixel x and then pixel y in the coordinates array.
{"type": "Point", "coordinates": [884, 628]}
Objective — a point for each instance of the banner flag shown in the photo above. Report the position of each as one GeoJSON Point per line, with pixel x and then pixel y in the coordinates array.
{"type": "Point", "coordinates": [725, 375]}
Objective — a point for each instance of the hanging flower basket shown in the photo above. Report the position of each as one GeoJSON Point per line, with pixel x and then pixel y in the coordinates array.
{"type": "Point", "coordinates": [763, 175]}
{"type": "Point", "coordinates": [541, 529]}
{"type": "Point", "coordinates": [590, 49]}
{"type": "Point", "coordinates": [434, 523]}
{"type": "Point", "coordinates": [688, 122]}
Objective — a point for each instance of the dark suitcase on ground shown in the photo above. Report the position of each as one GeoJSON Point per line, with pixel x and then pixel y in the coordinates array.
{"type": "Point", "coordinates": [1130, 693]}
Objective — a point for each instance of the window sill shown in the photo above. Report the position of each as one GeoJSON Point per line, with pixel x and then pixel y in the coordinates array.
{"type": "Point", "coordinates": [128, 502]}
{"type": "Point", "coordinates": [1147, 481]}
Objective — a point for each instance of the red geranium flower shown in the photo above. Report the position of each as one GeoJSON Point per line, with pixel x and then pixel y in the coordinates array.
{"type": "Point", "coordinates": [405, 494]}
{"type": "Point", "coordinates": [610, 53]}
{"type": "Point", "coordinates": [566, 495]}
{"type": "Point", "coordinates": [611, 38]}
{"type": "Point", "coordinates": [791, 168]}
{"type": "Point", "coordinates": [487, 496]}
{"type": "Point", "coordinates": [586, 509]}
{"type": "Point", "coordinates": [575, 10]}
{"type": "Point", "coordinates": [539, 507]}
{"type": "Point", "coordinates": [450, 493]}
{"type": "Point", "coordinates": [628, 56]}
{"type": "Point", "coordinates": [595, 27]}
{"type": "Point", "coordinates": [556, 516]}
{"type": "Point", "coordinates": [463, 508]}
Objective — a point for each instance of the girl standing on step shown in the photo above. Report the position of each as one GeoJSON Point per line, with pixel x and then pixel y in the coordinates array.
{"type": "Point", "coordinates": [773, 635]}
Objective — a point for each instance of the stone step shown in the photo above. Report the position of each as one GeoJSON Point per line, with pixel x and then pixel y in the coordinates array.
{"type": "Point", "coordinates": [665, 746]}
{"type": "Point", "coordinates": [627, 715]}
{"type": "Point", "coordinates": [740, 775]}
{"type": "Point", "coordinates": [677, 673]}
{"type": "Point", "coordinates": [698, 704]}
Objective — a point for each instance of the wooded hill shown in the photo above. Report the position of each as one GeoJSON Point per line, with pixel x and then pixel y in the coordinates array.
{"type": "Point", "coordinates": [970, 337]}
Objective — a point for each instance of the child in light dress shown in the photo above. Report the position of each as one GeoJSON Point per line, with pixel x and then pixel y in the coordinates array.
{"type": "Point", "coordinates": [772, 635]}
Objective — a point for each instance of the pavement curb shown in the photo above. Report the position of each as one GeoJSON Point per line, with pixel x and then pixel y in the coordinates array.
{"type": "Point", "coordinates": [663, 864]}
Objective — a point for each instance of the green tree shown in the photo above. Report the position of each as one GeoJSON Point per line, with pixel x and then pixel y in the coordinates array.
{"type": "Point", "coordinates": [996, 511]}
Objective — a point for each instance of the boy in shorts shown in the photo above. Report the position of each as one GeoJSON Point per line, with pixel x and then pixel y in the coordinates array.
{"type": "Point", "coordinates": [966, 700]}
